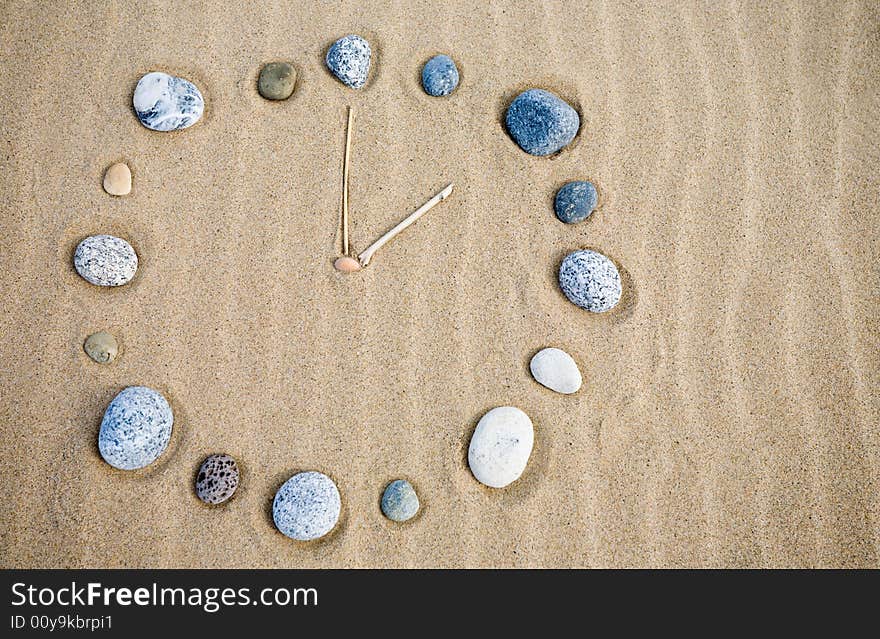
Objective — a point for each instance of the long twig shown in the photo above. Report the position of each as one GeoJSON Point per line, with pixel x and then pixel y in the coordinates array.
{"type": "Point", "coordinates": [345, 183]}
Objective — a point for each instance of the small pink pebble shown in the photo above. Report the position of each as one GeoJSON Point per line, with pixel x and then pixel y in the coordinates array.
{"type": "Point", "coordinates": [347, 264]}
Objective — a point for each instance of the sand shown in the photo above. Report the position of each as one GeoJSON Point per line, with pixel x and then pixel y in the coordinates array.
{"type": "Point", "coordinates": [729, 415]}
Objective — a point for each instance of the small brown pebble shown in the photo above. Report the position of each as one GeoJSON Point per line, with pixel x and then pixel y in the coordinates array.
{"type": "Point", "coordinates": [117, 179]}
{"type": "Point", "coordinates": [217, 480]}
{"type": "Point", "coordinates": [101, 347]}
{"type": "Point", "coordinates": [347, 264]}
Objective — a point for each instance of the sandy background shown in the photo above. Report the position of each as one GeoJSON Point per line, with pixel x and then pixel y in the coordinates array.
{"type": "Point", "coordinates": [730, 412]}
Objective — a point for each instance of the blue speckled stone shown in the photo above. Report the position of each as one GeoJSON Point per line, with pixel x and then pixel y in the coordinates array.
{"type": "Point", "coordinates": [575, 202]}
{"type": "Point", "coordinates": [349, 60]}
{"type": "Point", "coordinates": [590, 280]}
{"type": "Point", "coordinates": [307, 506]}
{"type": "Point", "coordinates": [136, 428]}
{"type": "Point", "coordinates": [541, 123]}
{"type": "Point", "coordinates": [439, 76]}
{"type": "Point", "coordinates": [164, 102]}
{"type": "Point", "coordinates": [399, 501]}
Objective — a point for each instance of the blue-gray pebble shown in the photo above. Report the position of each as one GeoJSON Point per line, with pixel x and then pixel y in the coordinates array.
{"type": "Point", "coordinates": [349, 60]}
{"type": "Point", "coordinates": [590, 280]}
{"type": "Point", "coordinates": [575, 202]}
{"type": "Point", "coordinates": [136, 428]}
{"type": "Point", "coordinates": [541, 123]}
{"type": "Point", "coordinates": [439, 76]}
{"type": "Point", "coordinates": [399, 501]}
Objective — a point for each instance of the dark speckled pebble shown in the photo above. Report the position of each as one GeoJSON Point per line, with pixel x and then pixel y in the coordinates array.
{"type": "Point", "coordinates": [590, 280]}
{"type": "Point", "coordinates": [277, 81]}
{"type": "Point", "coordinates": [349, 60]}
{"type": "Point", "coordinates": [217, 480]}
{"type": "Point", "coordinates": [399, 501]}
{"type": "Point", "coordinates": [575, 202]}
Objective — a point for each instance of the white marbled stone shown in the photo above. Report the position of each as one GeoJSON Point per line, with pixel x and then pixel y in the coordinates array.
{"type": "Point", "coordinates": [307, 506]}
{"type": "Point", "coordinates": [557, 370]}
{"type": "Point", "coordinates": [501, 446]}
{"type": "Point", "coordinates": [167, 103]}
{"type": "Point", "coordinates": [105, 260]}
{"type": "Point", "coordinates": [349, 60]}
{"type": "Point", "coordinates": [136, 428]}
{"type": "Point", "coordinates": [590, 280]}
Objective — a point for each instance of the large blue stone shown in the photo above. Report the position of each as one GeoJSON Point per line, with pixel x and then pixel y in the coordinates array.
{"type": "Point", "coordinates": [541, 123]}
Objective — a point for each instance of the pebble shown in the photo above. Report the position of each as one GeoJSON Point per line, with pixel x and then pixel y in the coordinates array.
{"type": "Point", "coordinates": [217, 480]}
{"type": "Point", "coordinates": [501, 446]}
{"type": "Point", "coordinates": [277, 81]}
{"type": "Point", "coordinates": [590, 280]}
{"type": "Point", "coordinates": [541, 123]}
{"type": "Point", "coordinates": [557, 370]}
{"type": "Point", "coordinates": [575, 202]}
{"type": "Point", "coordinates": [101, 347]}
{"type": "Point", "coordinates": [307, 506]}
{"type": "Point", "coordinates": [136, 428]}
{"type": "Point", "coordinates": [105, 260]}
{"type": "Point", "coordinates": [165, 102]}
{"type": "Point", "coordinates": [349, 60]}
{"type": "Point", "coordinates": [117, 179]}
{"type": "Point", "coordinates": [399, 501]}
{"type": "Point", "coordinates": [439, 76]}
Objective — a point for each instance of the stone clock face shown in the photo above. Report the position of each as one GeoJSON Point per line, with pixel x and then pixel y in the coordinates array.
{"type": "Point", "coordinates": [211, 268]}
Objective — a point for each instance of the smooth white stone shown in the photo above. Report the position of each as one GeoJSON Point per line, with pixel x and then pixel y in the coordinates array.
{"type": "Point", "coordinates": [555, 369]}
{"type": "Point", "coordinates": [501, 446]}
{"type": "Point", "coordinates": [105, 260]}
{"type": "Point", "coordinates": [167, 103]}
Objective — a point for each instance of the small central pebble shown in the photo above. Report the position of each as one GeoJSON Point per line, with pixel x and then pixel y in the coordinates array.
{"type": "Point", "coordinates": [307, 506]}
{"type": "Point", "coordinates": [105, 260]}
{"type": "Point", "coordinates": [117, 179]}
{"type": "Point", "coordinates": [217, 479]}
{"type": "Point", "coordinates": [349, 60]}
{"type": "Point", "coordinates": [164, 102]}
{"type": "Point", "coordinates": [399, 501]}
{"type": "Point", "coordinates": [102, 347]}
{"type": "Point", "coordinates": [277, 81]}
{"type": "Point", "coordinates": [590, 280]}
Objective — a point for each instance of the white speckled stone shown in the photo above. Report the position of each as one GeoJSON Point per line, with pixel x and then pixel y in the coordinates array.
{"type": "Point", "coordinates": [307, 506]}
{"type": "Point", "coordinates": [136, 428]}
{"type": "Point", "coordinates": [105, 260]}
{"type": "Point", "coordinates": [165, 102]}
{"type": "Point", "coordinates": [590, 280]}
{"type": "Point", "coordinates": [501, 446]}
{"type": "Point", "coordinates": [349, 60]}
{"type": "Point", "coordinates": [555, 369]}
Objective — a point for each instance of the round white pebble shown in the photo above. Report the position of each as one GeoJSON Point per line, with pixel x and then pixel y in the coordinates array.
{"type": "Point", "coordinates": [105, 260]}
{"type": "Point", "coordinates": [136, 428]}
{"type": "Point", "coordinates": [307, 506]}
{"type": "Point", "coordinates": [557, 370]}
{"type": "Point", "coordinates": [501, 446]}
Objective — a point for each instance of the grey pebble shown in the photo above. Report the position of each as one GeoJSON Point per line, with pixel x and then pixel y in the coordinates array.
{"type": "Point", "coordinates": [439, 76]}
{"type": "Point", "coordinates": [307, 506]}
{"type": "Point", "coordinates": [165, 102]}
{"type": "Point", "coordinates": [101, 347]}
{"type": "Point", "coordinates": [217, 479]}
{"type": "Point", "coordinates": [575, 202]}
{"type": "Point", "coordinates": [136, 428]}
{"type": "Point", "coordinates": [590, 280]}
{"type": "Point", "coordinates": [349, 60]}
{"type": "Point", "coordinates": [540, 122]}
{"type": "Point", "coordinates": [105, 260]}
{"type": "Point", "coordinates": [399, 501]}
{"type": "Point", "coordinates": [277, 81]}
